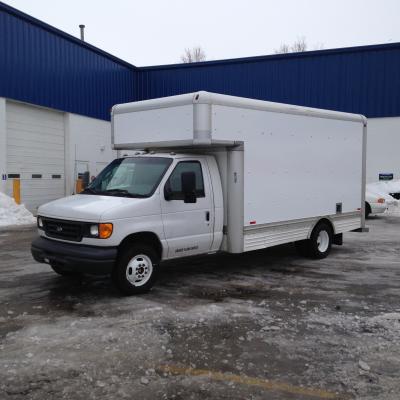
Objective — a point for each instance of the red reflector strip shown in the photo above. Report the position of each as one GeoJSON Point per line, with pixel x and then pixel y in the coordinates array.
{"type": "Point", "coordinates": [252, 222]}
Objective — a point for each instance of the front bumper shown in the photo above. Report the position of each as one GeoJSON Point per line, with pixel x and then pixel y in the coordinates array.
{"type": "Point", "coordinates": [74, 257]}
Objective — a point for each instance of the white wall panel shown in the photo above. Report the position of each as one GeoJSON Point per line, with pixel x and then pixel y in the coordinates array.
{"type": "Point", "coordinates": [36, 140]}
{"type": "Point", "coordinates": [158, 125]}
{"type": "Point", "coordinates": [301, 166]}
{"type": "Point", "coordinates": [383, 148]}
{"type": "Point", "coordinates": [89, 143]}
{"type": "Point", "coordinates": [35, 145]}
{"type": "Point", "coordinates": [3, 144]}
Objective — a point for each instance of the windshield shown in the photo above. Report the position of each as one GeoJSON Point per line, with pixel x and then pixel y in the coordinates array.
{"type": "Point", "coordinates": [130, 177]}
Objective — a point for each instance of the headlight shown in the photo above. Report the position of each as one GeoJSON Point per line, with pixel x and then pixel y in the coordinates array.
{"type": "Point", "coordinates": [381, 201]}
{"type": "Point", "coordinates": [94, 230]}
{"type": "Point", "coordinates": [40, 222]}
{"type": "Point", "coordinates": [101, 231]}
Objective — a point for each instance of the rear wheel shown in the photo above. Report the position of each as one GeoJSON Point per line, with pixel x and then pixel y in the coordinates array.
{"type": "Point", "coordinates": [320, 242]}
{"type": "Point", "coordinates": [136, 269]}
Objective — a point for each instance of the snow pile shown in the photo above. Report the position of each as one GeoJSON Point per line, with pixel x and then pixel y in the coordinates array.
{"type": "Point", "coordinates": [13, 214]}
{"type": "Point", "coordinates": [387, 321]}
{"type": "Point", "coordinates": [394, 208]}
{"type": "Point", "coordinates": [382, 189]}
{"type": "Point", "coordinates": [387, 324]}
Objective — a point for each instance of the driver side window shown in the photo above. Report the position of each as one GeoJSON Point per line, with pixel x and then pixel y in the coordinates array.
{"type": "Point", "coordinates": [174, 183]}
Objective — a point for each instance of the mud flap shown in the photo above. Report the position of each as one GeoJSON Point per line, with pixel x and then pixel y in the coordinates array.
{"type": "Point", "coordinates": [338, 239]}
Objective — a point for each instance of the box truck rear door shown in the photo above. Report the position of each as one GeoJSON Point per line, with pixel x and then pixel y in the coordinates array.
{"type": "Point", "coordinates": [188, 227]}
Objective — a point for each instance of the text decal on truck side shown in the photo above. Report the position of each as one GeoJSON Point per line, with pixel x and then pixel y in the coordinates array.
{"type": "Point", "coordinates": [186, 249]}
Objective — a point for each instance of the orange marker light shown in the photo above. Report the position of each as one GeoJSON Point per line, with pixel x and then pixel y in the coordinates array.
{"type": "Point", "coordinates": [381, 201]}
{"type": "Point", "coordinates": [105, 231]}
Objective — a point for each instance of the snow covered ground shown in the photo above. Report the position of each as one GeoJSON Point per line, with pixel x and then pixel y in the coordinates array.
{"type": "Point", "coordinates": [263, 325]}
{"type": "Point", "coordinates": [12, 214]}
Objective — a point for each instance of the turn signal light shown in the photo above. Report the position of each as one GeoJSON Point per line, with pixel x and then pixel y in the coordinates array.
{"type": "Point", "coordinates": [381, 201]}
{"type": "Point", "coordinates": [105, 231]}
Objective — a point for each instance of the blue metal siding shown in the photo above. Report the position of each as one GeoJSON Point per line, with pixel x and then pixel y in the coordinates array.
{"type": "Point", "coordinates": [41, 67]}
{"type": "Point", "coordinates": [364, 80]}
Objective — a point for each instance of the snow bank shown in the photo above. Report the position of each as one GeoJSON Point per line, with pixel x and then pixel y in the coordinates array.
{"type": "Point", "coordinates": [13, 214]}
{"type": "Point", "coordinates": [389, 322]}
{"type": "Point", "coordinates": [394, 209]}
{"type": "Point", "coordinates": [385, 187]}
{"type": "Point", "coordinates": [382, 189]}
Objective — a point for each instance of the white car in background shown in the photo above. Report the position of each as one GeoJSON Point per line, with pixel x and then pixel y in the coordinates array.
{"type": "Point", "coordinates": [375, 203]}
{"type": "Point", "coordinates": [381, 196]}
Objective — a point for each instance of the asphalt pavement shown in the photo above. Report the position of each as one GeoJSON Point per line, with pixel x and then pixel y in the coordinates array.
{"type": "Point", "coordinates": [264, 325]}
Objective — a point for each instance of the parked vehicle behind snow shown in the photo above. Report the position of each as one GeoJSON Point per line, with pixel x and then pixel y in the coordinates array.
{"type": "Point", "coordinates": [382, 195]}
{"type": "Point", "coordinates": [374, 204]}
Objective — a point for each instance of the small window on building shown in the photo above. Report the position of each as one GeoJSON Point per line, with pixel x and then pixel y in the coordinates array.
{"type": "Point", "coordinates": [56, 176]}
{"type": "Point", "coordinates": [36, 176]}
{"type": "Point", "coordinates": [13, 176]}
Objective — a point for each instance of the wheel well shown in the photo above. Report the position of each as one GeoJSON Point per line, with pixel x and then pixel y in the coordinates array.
{"type": "Point", "coordinates": [368, 207]}
{"type": "Point", "coordinates": [149, 238]}
{"type": "Point", "coordinates": [323, 220]}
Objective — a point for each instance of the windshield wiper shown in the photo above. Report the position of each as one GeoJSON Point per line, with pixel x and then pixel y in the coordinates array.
{"type": "Point", "coordinates": [122, 192]}
{"type": "Point", "coordinates": [89, 190]}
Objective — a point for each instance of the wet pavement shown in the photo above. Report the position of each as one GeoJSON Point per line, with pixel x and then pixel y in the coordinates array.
{"type": "Point", "coordinates": [265, 325]}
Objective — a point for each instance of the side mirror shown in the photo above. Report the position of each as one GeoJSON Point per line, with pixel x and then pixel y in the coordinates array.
{"type": "Point", "coordinates": [167, 191]}
{"type": "Point", "coordinates": [188, 180]}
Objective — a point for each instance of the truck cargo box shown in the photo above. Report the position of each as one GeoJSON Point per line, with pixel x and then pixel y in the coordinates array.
{"type": "Point", "coordinates": [298, 163]}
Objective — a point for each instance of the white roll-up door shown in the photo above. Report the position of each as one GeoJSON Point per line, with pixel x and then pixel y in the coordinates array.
{"type": "Point", "coordinates": [35, 153]}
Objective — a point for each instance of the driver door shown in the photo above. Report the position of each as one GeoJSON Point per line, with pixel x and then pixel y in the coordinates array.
{"type": "Point", "coordinates": [188, 227]}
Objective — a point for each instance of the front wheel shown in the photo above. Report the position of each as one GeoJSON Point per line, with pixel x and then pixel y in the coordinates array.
{"type": "Point", "coordinates": [136, 269]}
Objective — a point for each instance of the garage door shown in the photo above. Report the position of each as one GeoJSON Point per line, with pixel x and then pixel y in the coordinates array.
{"type": "Point", "coordinates": [35, 153]}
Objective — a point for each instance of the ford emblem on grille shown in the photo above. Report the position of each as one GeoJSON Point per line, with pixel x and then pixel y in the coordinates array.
{"type": "Point", "coordinates": [59, 229]}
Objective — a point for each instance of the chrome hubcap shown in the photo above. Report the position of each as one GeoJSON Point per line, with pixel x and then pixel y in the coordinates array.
{"type": "Point", "coordinates": [139, 270]}
{"type": "Point", "coordinates": [323, 241]}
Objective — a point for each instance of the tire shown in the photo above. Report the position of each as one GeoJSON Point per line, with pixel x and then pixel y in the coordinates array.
{"type": "Point", "coordinates": [136, 270]}
{"type": "Point", "coordinates": [320, 243]}
{"type": "Point", "coordinates": [367, 210]}
{"type": "Point", "coordinates": [63, 272]}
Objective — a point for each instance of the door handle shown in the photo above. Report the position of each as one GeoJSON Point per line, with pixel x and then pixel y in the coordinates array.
{"type": "Point", "coordinates": [207, 216]}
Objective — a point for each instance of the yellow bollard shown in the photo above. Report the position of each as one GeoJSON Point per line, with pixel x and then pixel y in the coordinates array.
{"type": "Point", "coordinates": [79, 186]}
{"type": "Point", "coordinates": [17, 190]}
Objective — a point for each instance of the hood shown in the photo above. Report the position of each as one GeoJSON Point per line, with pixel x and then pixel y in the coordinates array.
{"type": "Point", "coordinates": [87, 207]}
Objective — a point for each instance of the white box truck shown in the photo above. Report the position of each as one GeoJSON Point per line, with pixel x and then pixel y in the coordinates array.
{"type": "Point", "coordinates": [209, 173]}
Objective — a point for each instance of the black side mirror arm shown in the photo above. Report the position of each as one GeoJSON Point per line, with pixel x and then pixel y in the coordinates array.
{"type": "Point", "coordinates": [190, 198]}
{"type": "Point", "coordinates": [167, 193]}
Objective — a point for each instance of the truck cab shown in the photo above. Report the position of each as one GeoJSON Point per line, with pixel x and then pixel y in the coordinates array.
{"type": "Point", "coordinates": [138, 211]}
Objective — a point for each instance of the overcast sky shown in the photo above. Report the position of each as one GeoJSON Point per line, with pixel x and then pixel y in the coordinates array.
{"type": "Point", "coordinates": [150, 32]}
